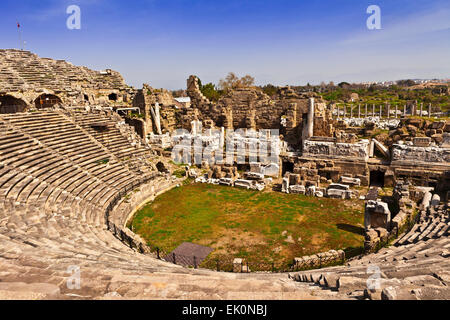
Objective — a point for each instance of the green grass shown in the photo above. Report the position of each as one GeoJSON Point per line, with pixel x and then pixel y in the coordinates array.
{"type": "Point", "coordinates": [104, 161]}
{"type": "Point", "coordinates": [259, 226]}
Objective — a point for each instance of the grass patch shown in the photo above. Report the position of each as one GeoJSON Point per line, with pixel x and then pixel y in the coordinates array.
{"type": "Point", "coordinates": [258, 226]}
{"type": "Point", "coordinates": [103, 161]}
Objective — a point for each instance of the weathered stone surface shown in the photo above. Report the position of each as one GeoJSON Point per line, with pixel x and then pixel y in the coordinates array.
{"type": "Point", "coordinates": [336, 150]}
{"type": "Point", "coordinates": [297, 189]}
{"type": "Point", "coordinates": [32, 77]}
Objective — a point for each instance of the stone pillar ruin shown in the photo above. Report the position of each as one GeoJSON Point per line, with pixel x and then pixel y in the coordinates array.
{"type": "Point", "coordinates": [196, 127]}
{"type": "Point", "coordinates": [366, 111]}
{"type": "Point", "coordinates": [310, 124]}
{"type": "Point", "coordinates": [285, 185]}
{"type": "Point", "coordinates": [429, 110]}
{"type": "Point", "coordinates": [227, 114]}
{"type": "Point", "coordinates": [421, 109]}
{"type": "Point", "coordinates": [376, 215]}
{"type": "Point", "coordinates": [404, 110]}
{"type": "Point", "coordinates": [222, 138]}
{"type": "Point", "coordinates": [373, 110]}
{"type": "Point", "coordinates": [371, 148]}
{"type": "Point", "coordinates": [359, 111]}
{"type": "Point", "coordinates": [156, 118]}
{"type": "Point", "coordinates": [396, 110]}
{"type": "Point", "coordinates": [251, 119]}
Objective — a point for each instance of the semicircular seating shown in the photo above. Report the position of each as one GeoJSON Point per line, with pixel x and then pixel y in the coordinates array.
{"type": "Point", "coordinates": [55, 189]}
{"type": "Point", "coordinates": [416, 266]}
{"type": "Point", "coordinates": [59, 197]}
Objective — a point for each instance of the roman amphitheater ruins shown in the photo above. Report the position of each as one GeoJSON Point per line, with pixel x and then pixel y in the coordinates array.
{"type": "Point", "coordinates": [75, 166]}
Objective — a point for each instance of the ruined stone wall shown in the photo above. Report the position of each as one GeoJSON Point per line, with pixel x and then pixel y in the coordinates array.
{"type": "Point", "coordinates": [423, 175]}
{"type": "Point", "coordinates": [252, 108]}
{"type": "Point", "coordinates": [410, 128]}
{"type": "Point", "coordinates": [26, 76]}
{"type": "Point", "coordinates": [421, 154]}
{"type": "Point", "coordinates": [138, 125]}
{"type": "Point", "coordinates": [193, 91]}
{"type": "Point", "coordinates": [328, 170]}
{"type": "Point", "coordinates": [148, 97]}
{"type": "Point", "coordinates": [328, 149]}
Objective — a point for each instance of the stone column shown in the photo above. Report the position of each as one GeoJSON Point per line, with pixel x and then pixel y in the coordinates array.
{"type": "Point", "coordinates": [193, 128]}
{"type": "Point", "coordinates": [396, 109]}
{"type": "Point", "coordinates": [404, 110]}
{"type": "Point", "coordinates": [388, 111]}
{"type": "Point", "coordinates": [310, 123]}
{"type": "Point", "coordinates": [429, 110]}
{"type": "Point", "coordinates": [371, 148]}
{"type": "Point", "coordinates": [222, 138]}
{"type": "Point", "coordinates": [285, 185]}
{"type": "Point", "coordinates": [381, 111]}
{"type": "Point", "coordinates": [351, 112]}
{"type": "Point", "coordinates": [345, 111]}
{"type": "Point", "coordinates": [421, 109]}
{"type": "Point", "coordinates": [156, 117]}
{"type": "Point", "coordinates": [366, 112]}
{"type": "Point", "coordinates": [359, 110]}
{"type": "Point", "coordinates": [373, 110]}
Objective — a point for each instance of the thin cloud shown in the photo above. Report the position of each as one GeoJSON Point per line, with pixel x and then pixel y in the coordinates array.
{"type": "Point", "coordinates": [413, 26]}
{"type": "Point", "coordinates": [57, 8]}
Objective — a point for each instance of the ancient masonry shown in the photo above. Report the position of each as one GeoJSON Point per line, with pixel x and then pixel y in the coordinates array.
{"type": "Point", "coordinates": [29, 82]}
{"type": "Point", "coordinates": [73, 172]}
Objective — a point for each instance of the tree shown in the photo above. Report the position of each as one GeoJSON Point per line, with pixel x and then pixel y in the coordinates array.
{"type": "Point", "coordinates": [406, 83]}
{"type": "Point", "coordinates": [270, 90]}
{"type": "Point", "coordinates": [344, 85]}
{"type": "Point", "coordinates": [247, 81]}
{"type": "Point", "coordinates": [210, 91]}
{"type": "Point", "coordinates": [232, 82]}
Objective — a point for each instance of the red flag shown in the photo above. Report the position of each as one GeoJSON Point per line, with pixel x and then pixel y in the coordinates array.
{"type": "Point", "coordinates": [18, 25]}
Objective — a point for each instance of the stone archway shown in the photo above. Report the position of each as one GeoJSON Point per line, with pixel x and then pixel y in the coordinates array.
{"type": "Point", "coordinates": [10, 104]}
{"type": "Point", "coordinates": [47, 101]}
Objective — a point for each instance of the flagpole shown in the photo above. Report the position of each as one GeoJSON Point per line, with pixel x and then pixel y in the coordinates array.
{"type": "Point", "coordinates": [20, 35]}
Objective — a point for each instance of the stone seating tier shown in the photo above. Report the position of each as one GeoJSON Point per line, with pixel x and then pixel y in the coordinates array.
{"type": "Point", "coordinates": [56, 197]}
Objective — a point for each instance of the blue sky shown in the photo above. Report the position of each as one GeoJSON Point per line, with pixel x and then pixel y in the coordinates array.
{"type": "Point", "coordinates": [162, 42]}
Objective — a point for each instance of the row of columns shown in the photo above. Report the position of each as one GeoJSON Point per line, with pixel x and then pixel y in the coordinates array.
{"type": "Point", "coordinates": [379, 112]}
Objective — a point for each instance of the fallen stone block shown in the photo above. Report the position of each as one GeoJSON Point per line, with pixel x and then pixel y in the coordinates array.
{"type": "Point", "coordinates": [350, 181]}
{"type": "Point", "coordinates": [336, 193]}
{"type": "Point", "coordinates": [299, 189]}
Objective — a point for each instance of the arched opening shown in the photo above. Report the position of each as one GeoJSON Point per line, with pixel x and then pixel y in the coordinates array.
{"type": "Point", "coordinates": [161, 167]}
{"type": "Point", "coordinates": [112, 97]}
{"type": "Point", "coordinates": [377, 178]}
{"type": "Point", "coordinates": [47, 101]}
{"type": "Point", "coordinates": [287, 167]}
{"type": "Point", "coordinates": [10, 104]}
{"type": "Point", "coordinates": [86, 98]}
